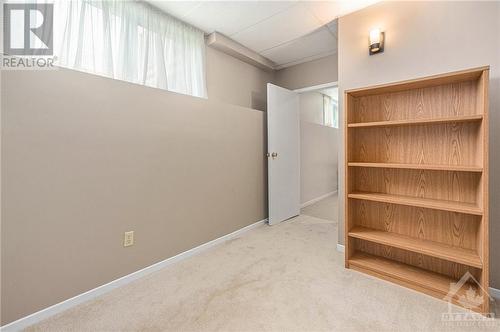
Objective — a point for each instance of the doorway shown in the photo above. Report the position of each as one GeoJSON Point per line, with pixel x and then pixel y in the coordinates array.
{"type": "Point", "coordinates": [303, 137]}
{"type": "Point", "coordinates": [319, 142]}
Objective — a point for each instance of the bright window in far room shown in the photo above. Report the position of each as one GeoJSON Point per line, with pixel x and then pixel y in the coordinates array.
{"type": "Point", "coordinates": [330, 107]}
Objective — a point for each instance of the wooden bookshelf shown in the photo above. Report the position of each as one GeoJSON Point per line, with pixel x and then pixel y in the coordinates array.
{"type": "Point", "coordinates": [416, 188]}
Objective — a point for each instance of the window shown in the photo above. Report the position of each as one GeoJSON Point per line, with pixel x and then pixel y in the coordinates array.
{"type": "Point", "coordinates": [330, 112]}
{"type": "Point", "coordinates": [130, 41]}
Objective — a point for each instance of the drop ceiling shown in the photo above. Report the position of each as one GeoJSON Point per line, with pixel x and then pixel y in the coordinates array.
{"type": "Point", "coordinates": [286, 32]}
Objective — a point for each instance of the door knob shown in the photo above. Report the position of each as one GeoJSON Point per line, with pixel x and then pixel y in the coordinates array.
{"type": "Point", "coordinates": [274, 155]}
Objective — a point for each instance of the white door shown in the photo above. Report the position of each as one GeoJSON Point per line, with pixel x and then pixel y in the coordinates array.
{"type": "Point", "coordinates": [283, 162]}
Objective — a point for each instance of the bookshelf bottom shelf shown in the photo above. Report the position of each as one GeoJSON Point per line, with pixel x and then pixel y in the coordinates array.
{"type": "Point", "coordinates": [413, 277]}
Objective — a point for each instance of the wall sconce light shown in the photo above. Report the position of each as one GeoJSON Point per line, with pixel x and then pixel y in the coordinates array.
{"type": "Point", "coordinates": [376, 41]}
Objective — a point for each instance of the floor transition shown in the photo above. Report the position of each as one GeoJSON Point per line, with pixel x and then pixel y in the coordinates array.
{"type": "Point", "coordinates": [287, 277]}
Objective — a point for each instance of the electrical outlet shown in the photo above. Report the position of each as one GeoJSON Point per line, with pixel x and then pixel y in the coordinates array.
{"type": "Point", "coordinates": [128, 239]}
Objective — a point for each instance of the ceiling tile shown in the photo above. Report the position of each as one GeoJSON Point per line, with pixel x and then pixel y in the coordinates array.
{"type": "Point", "coordinates": [283, 27]}
{"type": "Point", "coordinates": [317, 43]}
{"type": "Point", "coordinates": [177, 9]}
{"type": "Point", "coordinates": [327, 11]}
{"type": "Point", "coordinates": [229, 18]}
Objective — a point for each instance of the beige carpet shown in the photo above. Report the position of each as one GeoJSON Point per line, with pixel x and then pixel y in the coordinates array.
{"type": "Point", "coordinates": [287, 277]}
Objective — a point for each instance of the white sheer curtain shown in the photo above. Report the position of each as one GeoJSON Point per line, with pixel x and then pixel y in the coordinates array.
{"type": "Point", "coordinates": [130, 41]}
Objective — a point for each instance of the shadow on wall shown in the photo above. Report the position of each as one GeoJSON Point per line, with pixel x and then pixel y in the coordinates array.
{"type": "Point", "coordinates": [259, 101]}
{"type": "Point", "coordinates": [265, 163]}
{"type": "Point", "coordinates": [494, 180]}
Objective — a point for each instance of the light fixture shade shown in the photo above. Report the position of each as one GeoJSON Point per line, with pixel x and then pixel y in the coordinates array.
{"type": "Point", "coordinates": [374, 36]}
{"type": "Point", "coordinates": [376, 41]}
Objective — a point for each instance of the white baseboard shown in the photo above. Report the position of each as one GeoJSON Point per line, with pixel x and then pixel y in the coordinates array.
{"type": "Point", "coordinates": [38, 316]}
{"type": "Point", "coordinates": [495, 293]}
{"type": "Point", "coordinates": [340, 247]}
{"type": "Point", "coordinates": [317, 199]}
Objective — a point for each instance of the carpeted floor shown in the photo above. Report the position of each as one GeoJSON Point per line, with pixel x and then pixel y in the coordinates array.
{"type": "Point", "coordinates": [287, 277]}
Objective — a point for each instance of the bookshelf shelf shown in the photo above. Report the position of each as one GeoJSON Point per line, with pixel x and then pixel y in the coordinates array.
{"type": "Point", "coordinates": [463, 118]}
{"type": "Point", "coordinates": [435, 167]}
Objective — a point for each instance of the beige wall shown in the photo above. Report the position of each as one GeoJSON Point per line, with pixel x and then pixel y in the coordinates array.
{"type": "Point", "coordinates": [308, 74]}
{"type": "Point", "coordinates": [85, 158]}
{"type": "Point", "coordinates": [318, 149]}
{"type": "Point", "coordinates": [233, 81]}
{"type": "Point", "coordinates": [318, 160]}
{"type": "Point", "coordinates": [311, 107]}
{"type": "Point", "coordinates": [426, 38]}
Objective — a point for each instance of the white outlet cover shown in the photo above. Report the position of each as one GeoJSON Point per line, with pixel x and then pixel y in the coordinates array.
{"type": "Point", "coordinates": [128, 239]}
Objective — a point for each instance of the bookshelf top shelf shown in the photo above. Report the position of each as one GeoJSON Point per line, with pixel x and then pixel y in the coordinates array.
{"type": "Point", "coordinates": [435, 80]}
{"type": "Point", "coordinates": [463, 118]}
